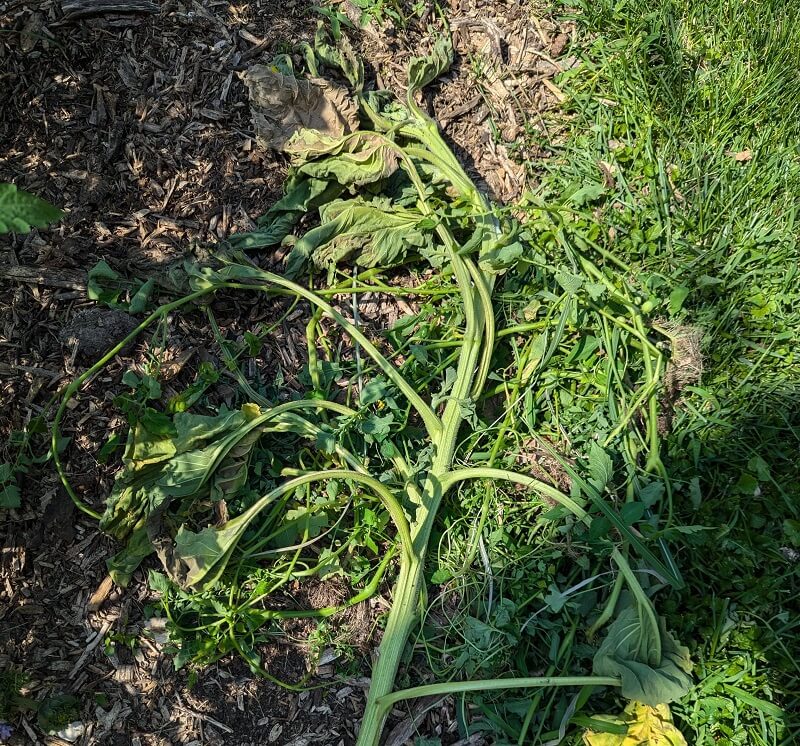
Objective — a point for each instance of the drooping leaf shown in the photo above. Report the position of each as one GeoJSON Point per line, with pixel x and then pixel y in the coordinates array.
{"type": "Point", "coordinates": [198, 559]}
{"type": "Point", "coordinates": [159, 468]}
{"type": "Point", "coordinates": [424, 70]}
{"type": "Point", "coordinates": [352, 160]}
{"type": "Point", "coordinates": [146, 447]}
{"type": "Point", "coordinates": [194, 429]}
{"type": "Point", "coordinates": [303, 194]}
{"type": "Point", "coordinates": [646, 726]}
{"type": "Point", "coordinates": [20, 211]}
{"type": "Point", "coordinates": [654, 667]}
{"type": "Point", "coordinates": [231, 474]}
{"type": "Point", "coordinates": [371, 233]}
{"type": "Point", "coordinates": [342, 57]}
{"type": "Point", "coordinates": [124, 563]}
{"type": "Point", "coordinates": [106, 285]}
{"type": "Point", "coordinates": [282, 104]}
{"type": "Point", "coordinates": [199, 552]}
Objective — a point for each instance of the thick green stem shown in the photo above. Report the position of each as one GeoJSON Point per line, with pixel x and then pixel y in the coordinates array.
{"type": "Point", "coordinates": [410, 584]}
{"type": "Point", "coordinates": [399, 626]}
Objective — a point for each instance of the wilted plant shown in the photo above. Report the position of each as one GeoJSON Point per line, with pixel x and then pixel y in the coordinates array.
{"type": "Point", "coordinates": [389, 192]}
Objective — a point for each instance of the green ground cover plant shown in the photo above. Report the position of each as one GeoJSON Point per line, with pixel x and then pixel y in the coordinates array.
{"type": "Point", "coordinates": [680, 161]}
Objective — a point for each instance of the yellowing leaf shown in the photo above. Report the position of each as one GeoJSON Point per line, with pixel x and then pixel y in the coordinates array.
{"type": "Point", "coordinates": [647, 726]}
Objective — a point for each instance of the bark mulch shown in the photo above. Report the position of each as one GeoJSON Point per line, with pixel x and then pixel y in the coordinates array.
{"type": "Point", "coordinates": [131, 117]}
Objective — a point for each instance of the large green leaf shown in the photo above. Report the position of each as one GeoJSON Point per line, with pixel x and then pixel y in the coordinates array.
{"type": "Point", "coordinates": [19, 211]}
{"type": "Point", "coordinates": [158, 469]}
{"type": "Point", "coordinates": [373, 233]}
{"type": "Point", "coordinates": [654, 667]}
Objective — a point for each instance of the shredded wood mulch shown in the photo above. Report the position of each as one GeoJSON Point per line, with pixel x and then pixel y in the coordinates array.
{"type": "Point", "coordinates": [130, 116]}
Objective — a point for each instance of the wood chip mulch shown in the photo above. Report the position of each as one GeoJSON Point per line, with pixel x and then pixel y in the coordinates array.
{"type": "Point", "coordinates": [131, 117]}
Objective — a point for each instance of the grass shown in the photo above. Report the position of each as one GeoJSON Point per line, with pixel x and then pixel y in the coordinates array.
{"type": "Point", "coordinates": [681, 160]}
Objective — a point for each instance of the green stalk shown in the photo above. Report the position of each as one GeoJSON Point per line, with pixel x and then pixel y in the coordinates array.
{"type": "Point", "coordinates": [458, 687]}
{"type": "Point", "coordinates": [404, 612]}
{"type": "Point", "coordinates": [546, 490]}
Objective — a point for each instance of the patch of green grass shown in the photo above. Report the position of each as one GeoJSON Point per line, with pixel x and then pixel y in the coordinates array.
{"type": "Point", "coordinates": [682, 160]}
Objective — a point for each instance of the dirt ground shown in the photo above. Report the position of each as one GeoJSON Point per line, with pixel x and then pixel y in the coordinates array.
{"type": "Point", "coordinates": [138, 126]}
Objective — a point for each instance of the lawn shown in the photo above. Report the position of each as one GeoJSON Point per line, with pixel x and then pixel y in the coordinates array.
{"type": "Point", "coordinates": [685, 116]}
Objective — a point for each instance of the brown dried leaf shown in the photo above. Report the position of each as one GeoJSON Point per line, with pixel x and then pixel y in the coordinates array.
{"type": "Point", "coordinates": [281, 105]}
{"type": "Point", "coordinates": [742, 156]}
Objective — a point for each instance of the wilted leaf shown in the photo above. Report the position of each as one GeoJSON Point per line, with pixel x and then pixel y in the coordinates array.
{"type": "Point", "coordinates": [424, 70]}
{"type": "Point", "coordinates": [370, 232]}
{"type": "Point", "coordinates": [741, 156]}
{"type": "Point", "coordinates": [351, 160]}
{"type": "Point", "coordinates": [303, 195]}
{"type": "Point", "coordinates": [653, 666]}
{"type": "Point", "coordinates": [342, 57]}
{"type": "Point", "coordinates": [646, 726]}
{"type": "Point", "coordinates": [105, 285]}
{"type": "Point", "coordinates": [159, 468]}
{"type": "Point", "coordinates": [124, 563]}
{"type": "Point", "coordinates": [282, 104]}
{"type": "Point", "coordinates": [198, 559]}
{"type": "Point", "coordinates": [141, 296]}
{"type": "Point", "coordinates": [19, 211]}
